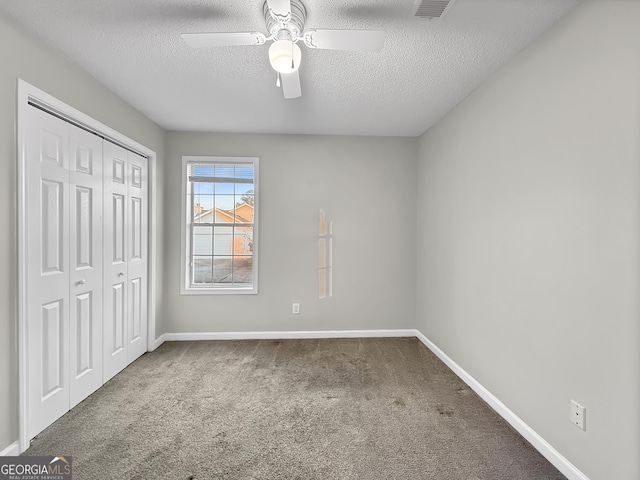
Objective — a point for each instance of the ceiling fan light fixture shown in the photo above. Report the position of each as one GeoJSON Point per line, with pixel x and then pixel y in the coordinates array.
{"type": "Point", "coordinates": [285, 56]}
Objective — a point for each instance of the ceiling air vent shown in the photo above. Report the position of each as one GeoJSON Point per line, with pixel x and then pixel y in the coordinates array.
{"type": "Point", "coordinates": [432, 8]}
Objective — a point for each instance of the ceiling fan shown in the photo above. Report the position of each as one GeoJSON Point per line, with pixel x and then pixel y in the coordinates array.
{"type": "Point", "coordinates": [285, 24]}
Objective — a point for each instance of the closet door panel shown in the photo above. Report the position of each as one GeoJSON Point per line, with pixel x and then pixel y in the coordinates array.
{"type": "Point", "coordinates": [85, 247]}
{"type": "Point", "coordinates": [116, 218]}
{"type": "Point", "coordinates": [47, 269]}
{"type": "Point", "coordinates": [137, 234]}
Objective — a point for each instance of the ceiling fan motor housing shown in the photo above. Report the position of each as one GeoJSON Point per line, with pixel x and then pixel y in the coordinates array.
{"type": "Point", "coordinates": [285, 21]}
{"type": "Point", "coordinates": [294, 24]}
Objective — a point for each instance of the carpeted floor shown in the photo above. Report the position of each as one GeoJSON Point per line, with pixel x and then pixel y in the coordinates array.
{"type": "Point", "coordinates": [290, 409]}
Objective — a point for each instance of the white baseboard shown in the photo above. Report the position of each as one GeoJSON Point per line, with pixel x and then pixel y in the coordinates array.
{"type": "Point", "coordinates": [159, 341]}
{"type": "Point", "coordinates": [539, 443]}
{"type": "Point", "coordinates": [12, 450]}
{"type": "Point", "coordinates": [286, 335]}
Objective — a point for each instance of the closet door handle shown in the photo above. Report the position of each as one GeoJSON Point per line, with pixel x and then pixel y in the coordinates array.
{"type": "Point", "coordinates": [121, 274]}
{"type": "Point", "coordinates": [81, 281]}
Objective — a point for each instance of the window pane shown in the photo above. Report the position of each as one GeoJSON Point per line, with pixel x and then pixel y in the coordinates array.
{"type": "Point", "coordinates": [243, 270]}
{"type": "Point", "coordinates": [202, 270]}
{"type": "Point", "coordinates": [202, 188]}
{"type": "Point", "coordinates": [242, 188]}
{"type": "Point", "coordinates": [224, 188]}
{"type": "Point", "coordinates": [202, 209]}
{"type": "Point", "coordinates": [222, 269]}
{"type": "Point", "coordinates": [225, 171]}
{"type": "Point", "coordinates": [244, 172]}
{"type": "Point", "coordinates": [224, 209]}
{"type": "Point", "coordinates": [243, 241]}
{"type": "Point", "coordinates": [202, 240]}
{"type": "Point", "coordinates": [223, 240]}
{"type": "Point", "coordinates": [244, 211]}
{"type": "Point", "coordinates": [201, 170]}
{"type": "Point", "coordinates": [205, 201]}
{"type": "Point", "coordinates": [198, 210]}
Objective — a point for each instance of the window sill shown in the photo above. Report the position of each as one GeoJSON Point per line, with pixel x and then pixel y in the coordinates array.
{"type": "Point", "coordinates": [219, 291]}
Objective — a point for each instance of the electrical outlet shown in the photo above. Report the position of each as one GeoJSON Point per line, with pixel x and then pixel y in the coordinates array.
{"type": "Point", "coordinates": [578, 415]}
{"type": "Point", "coordinates": [295, 309]}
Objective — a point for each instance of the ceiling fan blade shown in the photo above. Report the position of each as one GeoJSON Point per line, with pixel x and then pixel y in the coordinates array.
{"type": "Point", "coordinates": [291, 84]}
{"type": "Point", "coordinates": [198, 40]}
{"type": "Point", "coordinates": [280, 9]}
{"type": "Point", "coordinates": [356, 40]}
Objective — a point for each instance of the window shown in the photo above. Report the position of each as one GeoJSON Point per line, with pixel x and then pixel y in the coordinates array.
{"type": "Point", "coordinates": [220, 240]}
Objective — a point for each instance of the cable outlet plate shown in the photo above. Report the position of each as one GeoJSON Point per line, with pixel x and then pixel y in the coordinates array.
{"type": "Point", "coordinates": [578, 415]}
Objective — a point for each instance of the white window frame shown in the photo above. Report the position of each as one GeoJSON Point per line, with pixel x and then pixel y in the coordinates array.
{"type": "Point", "coordinates": [186, 288]}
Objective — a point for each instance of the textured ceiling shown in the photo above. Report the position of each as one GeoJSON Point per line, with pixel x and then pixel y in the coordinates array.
{"type": "Point", "coordinates": [425, 68]}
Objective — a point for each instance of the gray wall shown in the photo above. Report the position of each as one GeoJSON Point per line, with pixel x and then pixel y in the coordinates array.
{"type": "Point", "coordinates": [529, 218]}
{"type": "Point", "coordinates": [27, 58]}
{"type": "Point", "coordinates": [367, 186]}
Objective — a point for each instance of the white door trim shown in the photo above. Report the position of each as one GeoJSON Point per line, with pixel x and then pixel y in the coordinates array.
{"type": "Point", "coordinates": [25, 94]}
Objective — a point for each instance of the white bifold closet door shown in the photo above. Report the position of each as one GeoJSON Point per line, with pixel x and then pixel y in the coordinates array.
{"type": "Point", "coordinates": [86, 216]}
{"type": "Point", "coordinates": [125, 257]}
{"type": "Point", "coordinates": [63, 265]}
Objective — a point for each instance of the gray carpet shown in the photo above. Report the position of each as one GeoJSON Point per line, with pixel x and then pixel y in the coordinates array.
{"type": "Point", "coordinates": [292, 409]}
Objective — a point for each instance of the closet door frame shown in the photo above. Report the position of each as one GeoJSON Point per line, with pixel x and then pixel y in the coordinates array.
{"type": "Point", "coordinates": [26, 94]}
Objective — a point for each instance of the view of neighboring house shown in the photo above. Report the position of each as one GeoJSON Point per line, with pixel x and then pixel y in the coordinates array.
{"type": "Point", "coordinates": [234, 239]}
